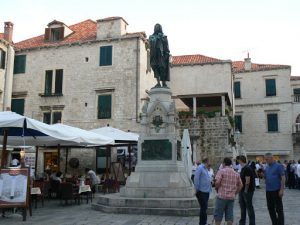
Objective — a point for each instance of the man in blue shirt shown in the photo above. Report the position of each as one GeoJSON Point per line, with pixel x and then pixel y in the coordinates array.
{"type": "Point", "coordinates": [275, 180]}
{"type": "Point", "coordinates": [202, 182]}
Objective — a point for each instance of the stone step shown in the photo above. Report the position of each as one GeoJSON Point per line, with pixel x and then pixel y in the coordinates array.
{"type": "Point", "coordinates": [114, 203]}
{"type": "Point", "coordinates": [150, 211]}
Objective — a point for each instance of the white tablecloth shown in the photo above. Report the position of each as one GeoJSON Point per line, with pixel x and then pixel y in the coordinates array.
{"type": "Point", "coordinates": [84, 188]}
{"type": "Point", "coordinates": [36, 191]}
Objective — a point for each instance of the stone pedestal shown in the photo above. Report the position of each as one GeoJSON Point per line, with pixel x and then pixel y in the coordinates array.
{"type": "Point", "coordinates": [159, 184]}
{"type": "Point", "coordinates": [160, 171]}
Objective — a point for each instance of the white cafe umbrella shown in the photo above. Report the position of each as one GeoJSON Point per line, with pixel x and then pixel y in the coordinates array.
{"type": "Point", "coordinates": [187, 152]}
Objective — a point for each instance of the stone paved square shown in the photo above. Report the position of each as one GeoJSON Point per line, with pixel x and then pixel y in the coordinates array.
{"type": "Point", "coordinates": [54, 213]}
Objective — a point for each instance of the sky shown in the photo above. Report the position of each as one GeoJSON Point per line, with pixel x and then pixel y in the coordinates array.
{"type": "Point", "coordinates": [223, 29]}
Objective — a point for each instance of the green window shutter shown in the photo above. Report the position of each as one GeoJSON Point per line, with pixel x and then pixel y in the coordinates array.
{"type": "Point", "coordinates": [104, 106]}
{"type": "Point", "coordinates": [296, 91]}
{"type": "Point", "coordinates": [106, 56]}
{"type": "Point", "coordinates": [272, 122]}
{"type": "Point", "coordinates": [238, 123]}
{"type": "Point", "coordinates": [19, 64]}
{"type": "Point", "coordinates": [48, 82]}
{"type": "Point", "coordinates": [58, 81]}
{"type": "Point", "coordinates": [56, 117]}
{"type": "Point", "coordinates": [17, 106]}
{"type": "Point", "coordinates": [271, 87]}
{"type": "Point", "coordinates": [237, 89]}
{"type": "Point", "coordinates": [2, 59]}
{"type": "Point", "coordinates": [47, 118]}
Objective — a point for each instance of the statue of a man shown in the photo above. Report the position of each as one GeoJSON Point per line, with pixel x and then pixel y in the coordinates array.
{"type": "Point", "coordinates": [159, 56]}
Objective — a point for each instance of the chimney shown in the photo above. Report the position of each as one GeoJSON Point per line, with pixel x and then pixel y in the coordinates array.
{"type": "Point", "coordinates": [247, 64]}
{"type": "Point", "coordinates": [8, 31]}
{"type": "Point", "coordinates": [111, 27]}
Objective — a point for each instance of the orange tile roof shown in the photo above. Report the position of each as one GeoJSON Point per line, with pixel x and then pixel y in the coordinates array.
{"type": "Point", "coordinates": [239, 67]}
{"type": "Point", "coordinates": [295, 77]}
{"type": "Point", "coordinates": [82, 32]}
{"type": "Point", "coordinates": [193, 59]}
{"type": "Point", "coordinates": [1, 35]}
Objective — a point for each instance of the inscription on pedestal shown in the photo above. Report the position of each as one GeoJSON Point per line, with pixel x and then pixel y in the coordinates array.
{"type": "Point", "coordinates": [157, 150]}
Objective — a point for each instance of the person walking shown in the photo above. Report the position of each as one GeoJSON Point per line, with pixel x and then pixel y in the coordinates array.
{"type": "Point", "coordinates": [202, 182]}
{"type": "Point", "coordinates": [228, 184]}
{"type": "Point", "coordinates": [290, 175]}
{"type": "Point", "coordinates": [275, 181]}
{"type": "Point", "coordinates": [246, 194]}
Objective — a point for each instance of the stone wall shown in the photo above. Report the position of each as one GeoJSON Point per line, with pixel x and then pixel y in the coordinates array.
{"type": "Point", "coordinates": [210, 135]}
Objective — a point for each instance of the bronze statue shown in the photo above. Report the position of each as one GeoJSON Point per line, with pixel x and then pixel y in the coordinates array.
{"type": "Point", "coordinates": [159, 56]}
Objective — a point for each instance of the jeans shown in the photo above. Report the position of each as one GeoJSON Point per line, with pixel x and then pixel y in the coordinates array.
{"type": "Point", "coordinates": [245, 200]}
{"type": "Point", "coordinates": [275, 207]}
{"type": "Point", "coordinates": [203, 202]}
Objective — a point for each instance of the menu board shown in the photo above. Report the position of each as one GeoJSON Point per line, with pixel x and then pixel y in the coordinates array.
{"type": "Point", "coordinates": [14, 187]}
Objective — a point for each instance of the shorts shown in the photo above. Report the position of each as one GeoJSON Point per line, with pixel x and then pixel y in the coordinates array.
{"type": "Point", "coordinates": [221, 206]}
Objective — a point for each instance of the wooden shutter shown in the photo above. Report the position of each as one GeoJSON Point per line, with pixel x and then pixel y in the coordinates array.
{"type": "Point", "coordinates": [272, 122]}
{"type": "Point", "coordinates": [48, 82]}
{"type": "Point", "coordinates": [58, 81]}
{"type": "Point", "coordinates": [105, 55]}
{"type": "Point", "coordinates": [47, 34]}
{"type": "Point", "coordinates": [104, 107]}
{"type": "Point", "coordinates": [271, 87]}
{"type": "Point", "coordinates": [17, 106]}
{"type": "Point", "coordinates": [61, 33]}
{"type": "Point", "coordinates": [20, 64]}
{"type": "Point", "coordinates": [237, 89]}
{"type": "Point", "coordinates": [2, 59]}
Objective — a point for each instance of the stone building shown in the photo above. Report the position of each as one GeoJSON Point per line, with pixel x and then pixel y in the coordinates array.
{"type": "Point", "coordinates": [295, 122]}
{"type": "Point", "coordinates": [88, 75]}
{"type": "Point", "coordinates": [263, 109]}
{"type": "Point", "coordinates": [202, 88]}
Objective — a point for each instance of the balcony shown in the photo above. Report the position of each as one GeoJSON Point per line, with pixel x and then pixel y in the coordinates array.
{"type": "Point", "coordinates": [296, 98]}
{"type": "Point", "coordinates": [51, 94]}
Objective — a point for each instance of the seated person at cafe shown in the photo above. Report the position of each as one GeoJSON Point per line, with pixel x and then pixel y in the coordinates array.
{"type": "Point", "coordinates": [15, 162]}
{"type": "Point", "coordinates": [56, 176]}
{"type": "Point", "coordinates": [94, 178]}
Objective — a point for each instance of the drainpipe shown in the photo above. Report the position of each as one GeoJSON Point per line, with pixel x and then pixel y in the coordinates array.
{"type": "Point", "coordinates": [8, 84]}
{"type": "Point", "coordinates": [137, 79]}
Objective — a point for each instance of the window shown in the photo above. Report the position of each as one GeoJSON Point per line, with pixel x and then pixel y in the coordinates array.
{"type": "Point", "coordinates": [238, 123]}
{"type": "Point", "coordinates": [106, 56]}
{"type": "Point", "coordinates": [47, 117]}
{"type": "Point", "coordinates": [272, 122]}
{"type": "Point", "coordinates": [53, 118]}
{"type": "Point", "coordinates": [2, 59]}
{"type": "Point", "coordinates": [56, 117]}
{"type": "Point", "coordinates": [237, 89]}
{"type": "Point", "coordinates": [104, 106]}
{"type": "Point", "coordinates": [296, 91]}
{"type": "Point", "coordinates": [55, 34]}
{"type": "Point", "coordinates": [17, 106]}
{"type": "Point", "coordinates": [48, 82]}
{"type": "Point", "coordinates": [58, 81]}
{"type": "Point", "coordinates": [270, 87]}
{"type": "Point", "coordinates": [19, 64]}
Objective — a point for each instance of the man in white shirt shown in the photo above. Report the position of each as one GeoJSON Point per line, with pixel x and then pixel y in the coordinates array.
{"type": "Point", "coordinates": [15, 162]}
{"type": "Point", "coordinates": [94, 178]}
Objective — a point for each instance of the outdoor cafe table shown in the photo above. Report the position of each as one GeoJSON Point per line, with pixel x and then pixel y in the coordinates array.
{"type": "Point", "coordinates": [85, 189]}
